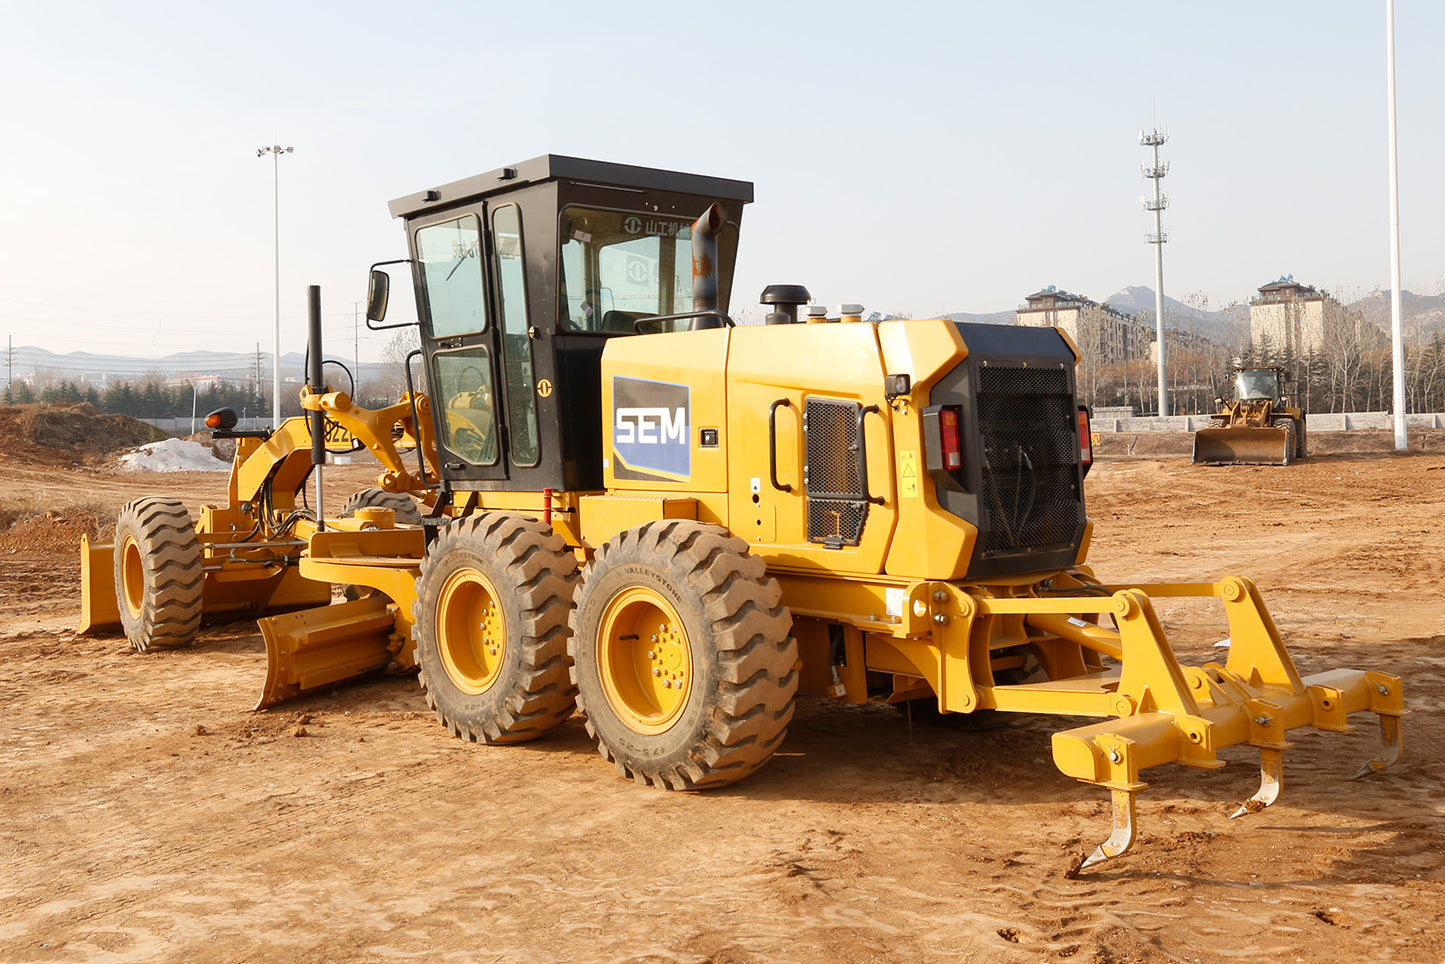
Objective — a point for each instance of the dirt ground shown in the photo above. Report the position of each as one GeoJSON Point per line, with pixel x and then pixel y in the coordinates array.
{"type": "Point", "coordinates": [148, 815]}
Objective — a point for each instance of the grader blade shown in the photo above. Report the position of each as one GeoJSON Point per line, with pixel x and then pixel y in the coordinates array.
{"type": "Point", "coordinates": [322, 647]}
{"type": "Point", "coordinates": [1241, 446]}
{"type": "Point", "coordinates": [99, 609]}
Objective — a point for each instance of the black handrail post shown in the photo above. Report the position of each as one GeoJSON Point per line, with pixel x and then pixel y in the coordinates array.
{"type": "Point", "coordinates": [315, 387]}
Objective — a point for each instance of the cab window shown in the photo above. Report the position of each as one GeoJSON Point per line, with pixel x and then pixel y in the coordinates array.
{"type": "Point", "coordinates": [516, 337]}
{"type": "Point", "coordinates": [451, 271]}
{"type": "Point", "coordinates": [464, 384]}
{"type": "Point", "coordinates": [618, 267]}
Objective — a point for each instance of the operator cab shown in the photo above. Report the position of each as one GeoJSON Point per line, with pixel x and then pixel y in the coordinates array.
{"type": "Point", "coordinates": [1257, 384]}
{"type": "Point", "coordinates": [522, 275]}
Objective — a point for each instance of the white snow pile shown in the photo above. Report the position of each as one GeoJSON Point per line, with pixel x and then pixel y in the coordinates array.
{"type": "Point", "coordinates": [172, 455]}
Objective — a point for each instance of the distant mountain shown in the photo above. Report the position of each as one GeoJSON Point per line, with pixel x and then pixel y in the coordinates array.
{"type": "Point", "coordinates": [1228, 325]}
{"type": "Point", "coordinates": [99, 370]}
{"type": "Point", "coordinates": [1425, 311]}
{"type": "Point", "coordinates": [1140, 298]}
{"type": "Point", "coordinates": [1424, 315]}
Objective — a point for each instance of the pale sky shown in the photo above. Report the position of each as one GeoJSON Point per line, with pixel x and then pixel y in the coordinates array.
{"type": "Point", "coordinates": [913, 157]}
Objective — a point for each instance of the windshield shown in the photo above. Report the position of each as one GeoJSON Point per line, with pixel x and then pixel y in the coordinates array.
{"type": "Point", "coordinates": [618, 267]}
{"type": "Point", "coordinates": [1256, 384]}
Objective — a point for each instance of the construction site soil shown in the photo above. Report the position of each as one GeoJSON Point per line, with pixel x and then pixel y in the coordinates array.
{"type": "Point", "coordinates": [149, 815]}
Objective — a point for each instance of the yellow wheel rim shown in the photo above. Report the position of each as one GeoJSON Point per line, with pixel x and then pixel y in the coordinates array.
{"type": "Point", "coordinates": [471, 631]}
{"type": "Point", "coordinates": [132, 576]}
{"type": "Point", "coordinates": [645, 662]}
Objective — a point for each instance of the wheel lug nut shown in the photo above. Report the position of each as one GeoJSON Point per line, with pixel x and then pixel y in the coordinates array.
{"type": "Point", "coordinates": [667, 684]}
{"type": "Point", "coordinates": [657, 672]}
{"type": "Point", "coordinates": [654, 637]}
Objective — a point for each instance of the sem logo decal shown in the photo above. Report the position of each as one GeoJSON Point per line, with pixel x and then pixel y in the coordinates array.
{"type": "Point", "coordinates": [650, 438]}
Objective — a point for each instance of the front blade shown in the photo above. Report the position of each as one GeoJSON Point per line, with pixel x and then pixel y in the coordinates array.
{"type": "Point", "coordinates": [99, 608]}
{"type": "Point", "coordinates": [1249, 446]}
{"type": "Point", "coordinates": [322, 647]}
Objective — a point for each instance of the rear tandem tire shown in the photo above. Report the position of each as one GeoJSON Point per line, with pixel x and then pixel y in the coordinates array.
{"type": "Point", "coordinates": [493, 598]}
{"type": "Point", "coordinates": [683, 656]}
{"type": "Point", "coordinates": [158, 575]}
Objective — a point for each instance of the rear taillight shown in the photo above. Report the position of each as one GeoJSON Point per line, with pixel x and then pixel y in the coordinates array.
{"type": "Point", "coordinates": [1086, 440]}
{"type": "Point", "coordinates": [943, 445]}
{"type": "Point", "coordinates": [948, 437]}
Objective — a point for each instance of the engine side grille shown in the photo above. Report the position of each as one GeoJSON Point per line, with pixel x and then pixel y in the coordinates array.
{"type": "Point", "coordinates": [837, 509]}
{"type": "Point", "coordinates": [1030, 456]}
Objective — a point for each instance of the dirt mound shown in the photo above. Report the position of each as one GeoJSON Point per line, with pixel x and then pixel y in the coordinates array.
{"type": "Point", "coordinates": [54, 532]}
{"type": "Point", "coordinates": [61, 434]}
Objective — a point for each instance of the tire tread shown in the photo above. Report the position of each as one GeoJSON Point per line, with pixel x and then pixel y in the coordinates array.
{"type": "Point", "coordinates": [755, 651]}
{"type": "Point", "coordinates": [173, 578]}
{"type": "Point", "coordinates": [546, 574]}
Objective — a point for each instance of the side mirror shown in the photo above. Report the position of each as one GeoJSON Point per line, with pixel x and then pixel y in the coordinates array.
{"type": "Point", "coordinates": [1219, 401]}
{"type": "Point", "coordinates": [377, 291]}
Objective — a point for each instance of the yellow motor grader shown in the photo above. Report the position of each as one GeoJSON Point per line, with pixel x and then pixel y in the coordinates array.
{"type": "Point", "coordinates": [625, 504]}
{"type": "Point", "coordinates": [1258, 428]}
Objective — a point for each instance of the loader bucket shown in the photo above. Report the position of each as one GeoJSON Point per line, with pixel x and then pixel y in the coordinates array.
{"type": "Point", "coordinates": [320, 647]}
{"type": "Point", "coordinates": [1246, 446]}
{"type": "Point", "coordinates": [99, 608]}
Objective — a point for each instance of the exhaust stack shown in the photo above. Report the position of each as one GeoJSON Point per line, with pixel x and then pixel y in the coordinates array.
{"type": "Point", "coordinates": [704, 264]}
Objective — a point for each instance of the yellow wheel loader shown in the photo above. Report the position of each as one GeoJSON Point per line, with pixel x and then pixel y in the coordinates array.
{"type": "Point", "coordinates": [631, 506]}
{"type": "Point", "coordinates": [1258, 428]}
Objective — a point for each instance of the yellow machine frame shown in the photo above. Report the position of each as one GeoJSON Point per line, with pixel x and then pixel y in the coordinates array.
{"type": "Point", "coordinates": [904, 605]}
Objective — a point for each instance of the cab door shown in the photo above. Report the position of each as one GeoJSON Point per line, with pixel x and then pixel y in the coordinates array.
{"type": "Point", "coordinates": [520, 383]}
{"type": "Point", "coordinates": [461, 345]}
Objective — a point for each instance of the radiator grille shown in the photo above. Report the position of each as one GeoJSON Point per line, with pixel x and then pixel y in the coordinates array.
{"type": "Point", "coordinates": [1030, 453]}
{"type": "Point", "coordinates": [837, 508]}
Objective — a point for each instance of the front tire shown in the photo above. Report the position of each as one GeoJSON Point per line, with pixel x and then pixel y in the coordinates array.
{"type": "Point", "coordinates": [1291, 443]}
{"type": "Point", "coordinates": [493, 598]}
{"type": "Point", "coordinates": [158, 573]}
{"type": "Point", "coordinates": [683, 657]}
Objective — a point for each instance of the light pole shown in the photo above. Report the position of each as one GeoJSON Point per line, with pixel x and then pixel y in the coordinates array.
{"type": "Point", "coordinates": [1397, 338]}
{"type": "Point", "coordinates": [276, 150]}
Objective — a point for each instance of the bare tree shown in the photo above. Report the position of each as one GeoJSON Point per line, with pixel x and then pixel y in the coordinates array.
{"type": "Point", "coordinates": [393, 360]}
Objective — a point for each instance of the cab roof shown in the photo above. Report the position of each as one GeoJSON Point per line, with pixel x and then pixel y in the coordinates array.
{"type": "Point", "coordinates": [550, 167]}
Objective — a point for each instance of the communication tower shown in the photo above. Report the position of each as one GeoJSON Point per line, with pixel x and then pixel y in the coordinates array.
{"type": "Point", "coordinates": [1155, 171]}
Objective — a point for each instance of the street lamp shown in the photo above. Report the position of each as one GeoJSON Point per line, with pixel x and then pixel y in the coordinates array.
{"type": "Point", "coordinates": [276, 150]}
{"type": "Point", "coordinates": [1397, 339]}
